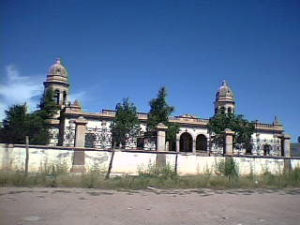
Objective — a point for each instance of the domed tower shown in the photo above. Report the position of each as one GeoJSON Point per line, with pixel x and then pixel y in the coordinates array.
{"type": "Point", "coordinates": [58, 82]}
{"type": "Point", "coordinates": [225, 102]}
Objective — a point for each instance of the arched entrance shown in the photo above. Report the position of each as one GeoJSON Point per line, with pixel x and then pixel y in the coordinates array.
{"type": "Point", "coordinates": [186, 142]}
{"type": "Point", "coordinates": [201, 143]}
{"type": "Point", "coordinates": [267, 149]}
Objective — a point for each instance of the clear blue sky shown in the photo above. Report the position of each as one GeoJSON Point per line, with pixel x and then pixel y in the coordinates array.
{"type": "Point", "coordinates": [114, 49]}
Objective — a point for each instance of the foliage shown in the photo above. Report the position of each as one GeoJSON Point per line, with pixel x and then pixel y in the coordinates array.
{"type": "Point", "coordinates": [15, 125]}
{"type": "Point", "coordinates": [159, 112]}
{"type": "Point", "coordinates": [243, 129]}
{"type": "Point", "coordinates": [57, 176]}
{"type": "Point", "coordinates": [19, 123]}
{"type": "Point", "coordinates": [48, 107]}
{"type": "Point", "coordinates": [228, 167]}
{"type": "Point", "coordinates": [173, 129]}
{"type": "Point", "coordinates": [152, 170]}
{"type": "Point", "coordinates": [126, 123]}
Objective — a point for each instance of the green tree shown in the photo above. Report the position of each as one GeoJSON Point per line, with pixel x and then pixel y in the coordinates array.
{"type": "Point", "coordinates": [15, 125]}
{"type": "Point", "coordinates": [126, 123]}
{"type": "Point", "coordinates": [19, 123]}
{"type": "Point", "coordinates": [37, 129]}
{"type": "Point", "coordinates": [159, 112]}
{"type": "Point", "coordinates": [48, 106]}
{"type": "Point", "coordinates": [243, 129]}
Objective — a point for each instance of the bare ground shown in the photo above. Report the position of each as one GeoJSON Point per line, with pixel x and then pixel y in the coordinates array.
{"type": "Point", "coordinates": [22, 206]}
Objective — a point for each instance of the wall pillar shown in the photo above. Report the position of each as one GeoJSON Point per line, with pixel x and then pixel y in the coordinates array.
{"type": "Point", "coordinates": [229, 142]}
{"type": "Point", "coordinates": [194, 145]}
{"type": "Point", "coordinates": [161, 137]}
{"type": "Point", "coordinates": [287, 145]}
{"type": "Point", "coordinates": [177, 143]}
{"type": "Point", "coordinates": [79, 155]}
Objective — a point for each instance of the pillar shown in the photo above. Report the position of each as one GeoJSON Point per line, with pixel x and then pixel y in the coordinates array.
{"type": "Point", "coordinates": [161, 137]}
{"type": "Point", "coordinates": [287, 145]}
{"type": "Point", "coordinates": [79, 155]}
{"type": "Point", "coordinates": [194, 145]}
{"type": "Point", "coordinates": [229, 142]}
{"type": "Point", "coordinates": [177, 143]}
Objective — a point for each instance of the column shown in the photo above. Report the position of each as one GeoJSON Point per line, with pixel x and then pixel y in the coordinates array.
{"type": "Point", "coordinates": [287, 145]}
{"type": "Point", "coordinates": [161, 137]}
{"type": "Point", "coordinates": [79, 155]}
{"type": "Point", "coordinates": [177, 143]}
{"type": "Point", "coordinates": [229, 142]}
{"type": "Point", "coordinates": [194, 145]}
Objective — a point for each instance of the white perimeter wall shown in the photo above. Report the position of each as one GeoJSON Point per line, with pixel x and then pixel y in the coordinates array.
{"type": "Point", "coordinates": [131, 162]}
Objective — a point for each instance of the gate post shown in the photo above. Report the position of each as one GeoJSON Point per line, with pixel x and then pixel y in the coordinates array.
{"type": "Point", "coordinates": [228, 142]}
{"type": "Point", "coordinates": [287, 145]}
{"type": "Point", "coordinates": [161, 137]}
{"type": "Point", "coordinates": [79, 155]}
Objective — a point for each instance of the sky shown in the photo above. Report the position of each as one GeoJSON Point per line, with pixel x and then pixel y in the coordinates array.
{"type": "Point", "coordinates": [116, 49]}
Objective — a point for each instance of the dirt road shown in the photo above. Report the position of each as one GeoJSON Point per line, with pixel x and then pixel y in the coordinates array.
{"type": "Point", "coordinates": [53, 206]}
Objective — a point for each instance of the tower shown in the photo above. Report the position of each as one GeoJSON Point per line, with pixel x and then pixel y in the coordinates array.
{"type": "Point", "coordinates": [225, 102]}
{"type": "Point", "coordinates": [58, 82]}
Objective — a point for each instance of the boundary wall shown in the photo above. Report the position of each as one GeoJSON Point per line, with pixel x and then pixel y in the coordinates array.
{"type": "Point", "coordinates": [130, 162]}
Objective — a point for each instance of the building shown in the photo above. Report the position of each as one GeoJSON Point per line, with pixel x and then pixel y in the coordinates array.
{"type": "Point", "coordinates": [269, 139]}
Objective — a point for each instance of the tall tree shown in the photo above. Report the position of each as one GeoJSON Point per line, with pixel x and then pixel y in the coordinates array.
{"type": "Point", "coordinates": [243, 129]}
{"type": "Point", "coordinates": [20, 123]}
{"type": "Point", "coordinates": [37, 129]}
{"type": "Point", "coordinates": [48, 106]}
{"type": "Point", "coordinates": [159, 112]}
{"type": "Point", "coordinates": [15, 125]}
{"type": "Point", "coordinates": [126, 123]}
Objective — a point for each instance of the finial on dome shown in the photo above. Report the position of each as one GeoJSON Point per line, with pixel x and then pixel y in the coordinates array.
{"type": "Point", "coordinates": [224, 83]}
{"type": "Point", "coordinates": [277, 121]}
{"type": "Point", "coordinates": [58, 61]}
{"type": "Point", "coordinates": [76, 102]}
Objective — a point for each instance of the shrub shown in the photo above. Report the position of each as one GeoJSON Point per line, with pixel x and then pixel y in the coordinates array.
{"type": "Point", "coordinates": [228, 168]}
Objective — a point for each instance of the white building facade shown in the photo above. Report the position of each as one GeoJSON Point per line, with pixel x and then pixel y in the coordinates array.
{"type": "Point", "coordinates": [268, 139]}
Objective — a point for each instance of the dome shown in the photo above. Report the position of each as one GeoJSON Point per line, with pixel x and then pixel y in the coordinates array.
{"type": "Point", "coordinates": [225, 93]}
{"type": "Point", "coordinates": [58, 69]}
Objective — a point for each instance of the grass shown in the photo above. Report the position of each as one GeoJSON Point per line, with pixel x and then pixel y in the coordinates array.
{"type": "Point", "coordinates": [159, 177]}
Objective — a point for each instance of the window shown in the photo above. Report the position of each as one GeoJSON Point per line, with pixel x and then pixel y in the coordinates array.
{"type": "Point", "coordinates": [56, 96]}
{"type": "Point", "coordinates": [140, 143]}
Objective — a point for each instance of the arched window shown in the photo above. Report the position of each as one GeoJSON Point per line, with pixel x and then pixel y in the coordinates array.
{"type": "Point", "coordinates": [222, 110]}
{"type": "Point", "coordinates": [229, 110]}
{"type": "Point", "coordinates": [64, 97]}
{"type": "Point", "coordinates": [186, 142]}
{"type": "Point", "coordinates": [201, 143]}
{"type": "Point", "coordinates": [56, 96]}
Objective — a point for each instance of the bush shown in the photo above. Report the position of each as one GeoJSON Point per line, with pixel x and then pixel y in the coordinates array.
{"type": "Point", "coordinates": [228, 168]}
{"type": "Point", "coordinates": [158, 171]}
